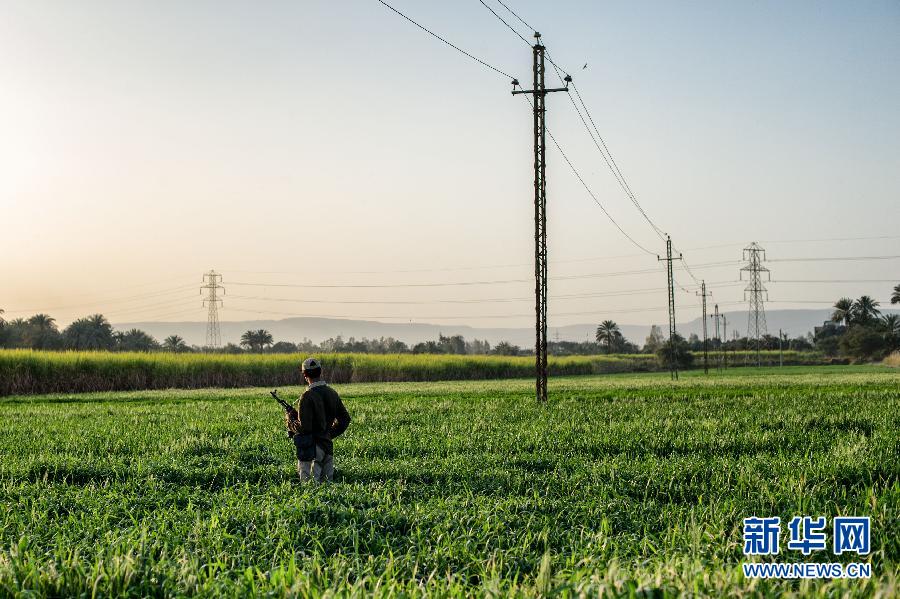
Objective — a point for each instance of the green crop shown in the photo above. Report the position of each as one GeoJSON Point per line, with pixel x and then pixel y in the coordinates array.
{"type": "Point", "coordinates": [26, 371]}
{"type": "Point", "coordinates": [623, 485]}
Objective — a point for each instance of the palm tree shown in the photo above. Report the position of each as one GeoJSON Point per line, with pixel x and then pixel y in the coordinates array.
{"type": "Point", "coordinates": [42, 322]}
{"type": "Point", "coordinates": [843, 311]}
{"type": "Point", "coordinates": [136, 340]}
{"type": "Point", "coordinates": [14, 333]}
{"type": "Point", "coordinates": [174, 343]}
{"type": "Point", "coordinates": [264, 338]}
{"type": "Point", "coordinates": [256, 340]}
{"type": "Point", "coordinates": [895, 297]}
{"type": "Point", "coordinates": [248, 340]}
{"type": "Point", "coordinates": [93, 332]}
{"type": "Point", "coordinates": [606, 334]}
{"type": "Point", "coordinates": [865, 310]}
{"type": "Point", "coordinates": [891, 323]}
{"type": "Point", "coordinates": [41, 332]}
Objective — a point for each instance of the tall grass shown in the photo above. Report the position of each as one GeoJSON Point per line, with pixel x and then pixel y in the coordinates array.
{"type": "Point", "coordinates": [27, 371]}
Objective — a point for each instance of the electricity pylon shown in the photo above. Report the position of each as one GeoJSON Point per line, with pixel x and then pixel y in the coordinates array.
{"type": "Point", "coordinates": [756, 318]}
{"type": "Point", "coordinates": [540, 214]}
{"type": "Point", "coordinates": [212, 281]}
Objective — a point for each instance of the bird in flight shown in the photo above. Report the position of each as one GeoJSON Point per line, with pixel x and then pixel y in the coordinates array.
{"type": "Point", "coordinates": [584, 67]}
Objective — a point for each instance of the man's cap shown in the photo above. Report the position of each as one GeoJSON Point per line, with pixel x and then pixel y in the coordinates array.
{"type": "Point", "coordinates": [310, 364]}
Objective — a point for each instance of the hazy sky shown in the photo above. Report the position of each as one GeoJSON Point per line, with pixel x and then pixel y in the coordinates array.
{"type": "Point", "coordinates": [333, 143]}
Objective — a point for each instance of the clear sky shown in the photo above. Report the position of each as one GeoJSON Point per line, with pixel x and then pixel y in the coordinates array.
{"type": "Point", "coordinates": [333, 143]}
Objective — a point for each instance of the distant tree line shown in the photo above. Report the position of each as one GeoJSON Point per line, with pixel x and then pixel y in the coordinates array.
{"type": "Point", "coordinates": [96, 333]}
{"type": "Point", "coordinates": [89, 333]}
{"type": "Point", "coordinates": [857, 330]}
{"type": "Point", "coordinates": [261, 341]}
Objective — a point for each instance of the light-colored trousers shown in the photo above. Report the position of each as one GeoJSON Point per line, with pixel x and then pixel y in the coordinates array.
{"type": "Point", "coordinates": [320, 469]}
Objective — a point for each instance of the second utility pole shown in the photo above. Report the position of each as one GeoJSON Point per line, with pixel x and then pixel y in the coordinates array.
{"type": "Point", "coordinates": [715, 318]}
{"type": "Point", "coordinates": [540, 215]}
{"type": "Point", "coordinates": [705, 337]}
{"type": "Point", "coordinates": [673, 334]}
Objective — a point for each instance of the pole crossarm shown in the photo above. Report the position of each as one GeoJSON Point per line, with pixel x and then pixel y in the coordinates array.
{"type": "Point", "coordinates": [535, 91]}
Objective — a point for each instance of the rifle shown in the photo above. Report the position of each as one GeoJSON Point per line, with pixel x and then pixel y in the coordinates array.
{"type": "Point", "coordinates": [288, 408]}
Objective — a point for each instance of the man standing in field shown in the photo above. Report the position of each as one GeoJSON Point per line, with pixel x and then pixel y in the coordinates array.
{"type": "Point", "coordinates": [321, 417]}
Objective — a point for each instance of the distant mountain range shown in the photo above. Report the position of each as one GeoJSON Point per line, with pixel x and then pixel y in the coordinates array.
{"type": "Point", "coordinates": [793, 322]}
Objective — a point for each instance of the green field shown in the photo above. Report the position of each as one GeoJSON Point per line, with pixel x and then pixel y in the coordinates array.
{"type": "Point", "coordinates": [623, 485]}
{"type": "Point", "coordinates": [27, 371]}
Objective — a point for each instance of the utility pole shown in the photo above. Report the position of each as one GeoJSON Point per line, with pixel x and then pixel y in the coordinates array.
{"type": "Point", "coordinates": [780, 350]}
{"type": "Point", "coordinates": [673, 366]}
{"type": "Point", "coordinates": [715, 318]}
{"type": "Point", "coordinates": [756, 320]}
{"type": "Point", "coordinates": [212, 285]}
{"type": "Point", "coordinates": [724, 341]}
{"type": "Point", "coordinates": [703, 294]}
{"type": "Point", "coordinates": [540, 214]}
{"type": "Point", "coordinates": [716, 321]}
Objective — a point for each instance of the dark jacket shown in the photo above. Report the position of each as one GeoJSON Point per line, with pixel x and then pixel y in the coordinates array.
{"type": "Point", "coordinates": [322, 414]}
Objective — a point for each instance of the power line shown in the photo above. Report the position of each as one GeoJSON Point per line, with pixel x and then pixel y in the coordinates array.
{"type": "Point", "coordinates": [469, 283]}
{"type": "Point", "coordinates": [445, 317]}
{"type": "Point", "coordinates": [521, 20]}
{"type": "Point", "coordinates": [515, 31]}
{"type": "Point", "coordinates": [831, 239]}
{"type": "Point", "coordinates": [447, 269]}
{"type": "Point", "coordinates": [454, 46]}
{"type": "Point", "coordinates": [571, 296]}
{"type": "Point", "coordinates": [836, 259]}
{"type": "Point", "coordinates": [176, 301]}
{"type": "Point", "coordinates": [830, 302]}
{"type": "Point", "coordinates": [489, 266]}
{"type": "Point", "coordinates": [591, 193]}
{"type": "Point", "coordinates": [604, 151]}
{"type": "Point", "coordinates": [792, 241]}
{"type": "Point", "coordinates": [135, 286]}
{"type": "Point", "coordinates": [559, 148]}
{"type": "Point", "coordinates": [101, 302]}
{"type": "Point", "coordinates": [607, 157]}
{"type": "Point", "coordinates": [166, 304]}
{"type": "Point", "coordinates": [165, 315]}
{"type": "Point", "coordinates": [688, 269]}
{"type": "Point", "coordinates": [614, 167]}
{"type": "Point", "coordinates": [832, 280]}
{"type": "Point", "coordinates": [502, 20]}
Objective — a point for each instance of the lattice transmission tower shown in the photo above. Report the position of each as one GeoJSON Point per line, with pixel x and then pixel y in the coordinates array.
{"type": "Point", "coordinates": [212, 284]}
{"type": "Point", "coordinates": [756, 292]}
